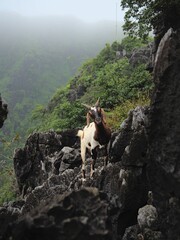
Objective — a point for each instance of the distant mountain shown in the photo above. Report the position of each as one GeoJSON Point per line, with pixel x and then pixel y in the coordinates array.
{"type": "Point", "coordinates": [40, 54]}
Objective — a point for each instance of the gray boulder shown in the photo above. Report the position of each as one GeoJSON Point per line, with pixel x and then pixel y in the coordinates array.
{"type": "Point", "coordinates": [3, 111]}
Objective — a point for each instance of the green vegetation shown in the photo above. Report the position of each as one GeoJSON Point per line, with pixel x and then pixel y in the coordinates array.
{"type": "Point", "coordinates": [7, 177]}
{"type": "Point", "coordinates": [119, 113]}
{"type": "Point", "coordinates": [37, 56]}
{"type": "Point", "coordinates": [7, 184]}
{"type": "Point", "coordinates": [130, 43]}
{"type": "Point", "coordinates": [143, 16]}
{"type": "Point", "coordinates": [119, 85]}
{"type": "Point", "coordinates": [110, 76]}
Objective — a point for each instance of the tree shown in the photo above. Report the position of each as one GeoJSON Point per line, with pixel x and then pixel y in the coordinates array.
{"type": "Point", "coordinates": [144, 15]}
{"type": "Point", "coordinates": [130, 43]}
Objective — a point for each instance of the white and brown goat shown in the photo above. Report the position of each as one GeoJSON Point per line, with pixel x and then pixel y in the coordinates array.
{"type": "Point", "coordinates": [94, 135]}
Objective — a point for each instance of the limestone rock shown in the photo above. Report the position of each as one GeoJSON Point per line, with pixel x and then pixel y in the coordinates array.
{"type": "Point", "coordinates": [3, 111]}
{"type": "Point", "coordinates": [147, 217]}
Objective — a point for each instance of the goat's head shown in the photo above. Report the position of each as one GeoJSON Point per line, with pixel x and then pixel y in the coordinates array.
{"type": "Point", "coordinates": [96, 113]}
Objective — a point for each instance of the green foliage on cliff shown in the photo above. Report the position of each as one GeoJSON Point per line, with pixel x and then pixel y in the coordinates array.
{"type": "Point", "coordinates": [120, 85]}
{"type": "Point", "coordinates": [7, 184]}
{"type": "Point", "coordinates": [143, 15]}
{"type": "Point", "coordinates": [109, 76]}
{"type": "Point", "coordinates": [37, 56]}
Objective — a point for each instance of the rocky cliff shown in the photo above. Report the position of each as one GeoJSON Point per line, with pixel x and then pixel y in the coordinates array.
{"type": "Point", "coordinates": [135, 197]}
{"type": "Point", "coordinates": [3, 111]}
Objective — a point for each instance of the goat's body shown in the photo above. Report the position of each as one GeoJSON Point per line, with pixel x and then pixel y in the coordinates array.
{"type": "Point", "coordinates": [87, 137]}
{"type": "Point", "coordinates": [93, 136]}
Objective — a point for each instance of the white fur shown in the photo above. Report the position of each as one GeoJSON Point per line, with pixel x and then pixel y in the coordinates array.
{"type": "Point", "coordinates": [87, 141]}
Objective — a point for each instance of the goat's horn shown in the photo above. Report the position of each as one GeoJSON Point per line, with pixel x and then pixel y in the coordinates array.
{"type": "Point", "coordinates": [97, 103]}
{"type": "Point", "coordinates": [86, 105]}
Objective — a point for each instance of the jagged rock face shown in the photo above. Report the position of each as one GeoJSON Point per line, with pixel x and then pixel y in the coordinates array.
{"type": "Point", "coordinates": [122, 184]}
{"type": "Point", "coordinates": [142, 55]}
{"type": "Point", "coordinates": [76, 215]}
{"type": "Point", "coordinates": [130, 144]}
{"type": "Point", "coordinates": [3, 111]}
{"type": "Point", "coordinates": [42, 156]}
{"type": "Point", "coordinates": [164, 134]}
{"type": "Point", "coordinates": [76, 90]}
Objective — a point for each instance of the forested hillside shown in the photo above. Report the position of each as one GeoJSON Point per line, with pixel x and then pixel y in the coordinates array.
{"type": "Point", "coordinates": [38, 55]}
{"type": "Point", "coordinates": [117, 76]}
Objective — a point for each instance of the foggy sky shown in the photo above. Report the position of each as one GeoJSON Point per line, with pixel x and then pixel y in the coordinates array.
{"type": "Point", "coordinates": [87, 10]}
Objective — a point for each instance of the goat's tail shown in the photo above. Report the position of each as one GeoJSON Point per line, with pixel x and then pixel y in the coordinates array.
{"type": "Point", "coordinates": [80, 133]}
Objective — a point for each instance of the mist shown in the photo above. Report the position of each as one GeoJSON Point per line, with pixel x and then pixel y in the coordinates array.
{"type": "Point", "coordinates": [88, 11]}
{"type": "Point", "coordinates": [57, 32]}
{"type": "Point", "coordinates": [41, 53]}
{"type": "Point", "coordinates": [42, 50]}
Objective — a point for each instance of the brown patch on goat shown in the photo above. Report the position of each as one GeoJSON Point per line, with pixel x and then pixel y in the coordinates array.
{"type": "Point", "coordinates": [102, 135]}
{"type": "Point", "coordinates": [103, 115]}
{"type": "Point", "coordinates": [103, 132]}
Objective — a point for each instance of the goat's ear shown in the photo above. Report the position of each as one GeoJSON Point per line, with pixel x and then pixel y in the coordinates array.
{"type": "Point", "coordinates": [103, 115]}
{"type": "Point", "coordinates": [87, 119]}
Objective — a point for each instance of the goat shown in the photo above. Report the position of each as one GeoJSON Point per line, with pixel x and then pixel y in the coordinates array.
{"type": "Point", "coordinates": [94, 135]}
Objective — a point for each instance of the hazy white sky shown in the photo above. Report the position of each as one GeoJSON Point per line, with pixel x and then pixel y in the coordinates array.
{"type": "Point", "coordinates": [88, 10]}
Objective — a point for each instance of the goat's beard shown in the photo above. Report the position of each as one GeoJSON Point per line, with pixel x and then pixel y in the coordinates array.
{"type": "Point", "coordinates": [98, 121]}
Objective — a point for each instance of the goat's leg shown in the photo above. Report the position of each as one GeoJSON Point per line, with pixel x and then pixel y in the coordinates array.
{"type": "Point", "coordinates": [83, 157]}
{"type": "Point", "coordinates": [93, 161]}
